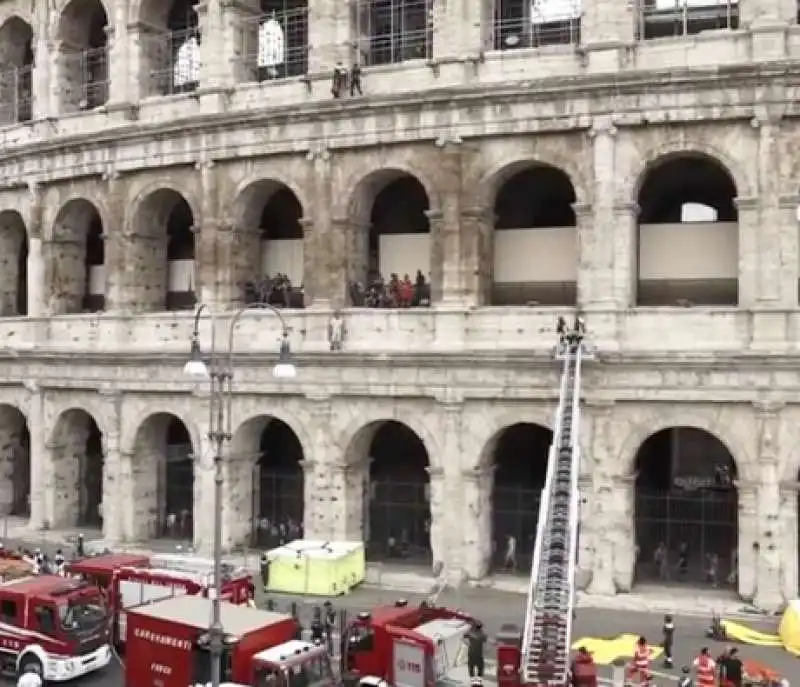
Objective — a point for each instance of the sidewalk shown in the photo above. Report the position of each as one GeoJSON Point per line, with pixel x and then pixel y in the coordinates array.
{"type": "Point", "coordinates": [417, 580]}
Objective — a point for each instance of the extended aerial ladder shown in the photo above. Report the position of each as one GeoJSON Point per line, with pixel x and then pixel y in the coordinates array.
{"type": "Point", "coordinates": [547, 634]}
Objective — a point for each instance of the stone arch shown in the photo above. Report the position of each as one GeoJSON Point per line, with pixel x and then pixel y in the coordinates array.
{"type": "Point", "coordinates": [686, 512]}
{"type": "Point", "coordinates": [82, 65]}
{"type": "Point", "coordinates": [519, 459]}
{"type": "Point", "coordinates": [396, 465]}
{"type": "Point", "coordinates": [171, 49]}
{"type": "Point", "coordinates": [74, 263]}
{"type": "Point", "coordinates": [16, 79]}
{"type": "Point", "coordinates": [269, 223]}
{"type": "Point", "coordinates": [76, 448]}
{"type": "Point", "coordinates": [539, 415]}
{"type": "Point", "coordinates": [15, 461]}
{"type": "Point", "coordinates": [164, 455]}
{"type": "Point", "coordinates": [13, 264]}
{"type": "Point", "coordinates": [492, 180]}
{"type": "Point", "coordinates": [535, 241]}
{"type": "Point", "coordinates": [163, 220]}
{"type": "Point", "coordinates": [265, 483]}
{"type": "Point", "coordinates": [394, 204]}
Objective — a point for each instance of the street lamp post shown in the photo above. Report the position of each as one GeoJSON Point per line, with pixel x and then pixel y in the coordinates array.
{"type": "Point", "coordinates": [218, 372]}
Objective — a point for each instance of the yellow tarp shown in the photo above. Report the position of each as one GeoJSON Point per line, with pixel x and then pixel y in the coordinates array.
{"type": "Point", "coordinates": [788, 636]}
{"type": "Point", "coordinates": [605, 651]}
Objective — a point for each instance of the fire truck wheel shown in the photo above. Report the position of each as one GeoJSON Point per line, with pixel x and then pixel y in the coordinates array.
{"type": "Point", "coordinates": [31, 664]}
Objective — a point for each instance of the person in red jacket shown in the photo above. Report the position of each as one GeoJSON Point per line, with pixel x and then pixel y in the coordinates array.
{"type": "Point", "coordinates": [583, 670]}
{"type": "Point", "coordinates": [639, 668]}
{"type": "Point", "coordinates": [705, 669]}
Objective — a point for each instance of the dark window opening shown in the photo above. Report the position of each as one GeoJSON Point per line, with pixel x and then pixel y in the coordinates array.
{"type": "Point", "coordinates": [22, 276]}
{"type": "Point", "coordinates": [276, 41]}
{"type": "Point", "coordinates": [172, 53]}
{"type": "Point", "coordinates": [393, 31]}
{"type": "Point", "coordinates": [16, 72]}
{"type": "Point", "coordinates": [525, 24]}
{"type": "Point", "coordinates": [398, 513]}
{"type": "Point", "coordinates": [83, 60]}
{"type": "Point", "coordinates": [179, 487]}
{"type": "Point", "coordinates": [686, 510]}
{"type": "Point", "coordinates": [94, 300]}
{"type": "Point", "coordinates": [21, 471]}
{"type": "Point", "coordinates": [658, 19]}
{"type": "Point", "coordinates": [697, 263]}
{"type": "Point", "coordinates": [90, 513]}
{"type": "Point", "coordinates": [181, 293]}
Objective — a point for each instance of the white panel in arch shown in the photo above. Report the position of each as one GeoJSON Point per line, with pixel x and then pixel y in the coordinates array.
{"type": "Point", "coordinates": [523, 256]}
{"type": "Point", "coordinates": [546, 11]}
{"type": "Point", "coordinates": [181, 276]}
{"type": "Point", "coordinates": [97, 280]}
{"type": "Point", "coordinates": [403, 254]}
{"type": "Point", "coordinates": [680, 4]}
{"type": "Point", "coordinates": [283, 256]}
{"type": "Point", "coordinates": [696, 250]}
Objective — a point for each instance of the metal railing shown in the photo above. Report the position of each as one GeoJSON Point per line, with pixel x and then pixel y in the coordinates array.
{"type": "Point", "coordinates": [519, 24]}
{"type": "Point", "coordinates": [674, 18]}
{"type": "Point", "coordinates": [393, 31]}
{"type": "Point", "coordinates": [275, 45]}
{"type": "Point", "coordinates": [16, 95]}
{"type": "Point", "coordinates": [174, 59]}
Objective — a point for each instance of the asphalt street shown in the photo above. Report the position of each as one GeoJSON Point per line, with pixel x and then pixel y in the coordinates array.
{"type": "Point", "coordinates": [498, 608]}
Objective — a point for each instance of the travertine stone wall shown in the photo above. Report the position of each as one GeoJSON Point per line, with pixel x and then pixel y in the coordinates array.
{"type": "Point", "coordinates": [12, 240]}
{"type": "Point", "coordinates": [12, 459]}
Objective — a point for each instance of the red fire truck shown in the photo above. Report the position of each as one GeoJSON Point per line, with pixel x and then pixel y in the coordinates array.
{"type": "Point", "coordinates": [412, 646]}
{"type": "Point", "coordinates": [54, 626]}
{"type": "Point", "coordinates": [131, 580]}
{"type": "Point", "coordinates": [168, 645]}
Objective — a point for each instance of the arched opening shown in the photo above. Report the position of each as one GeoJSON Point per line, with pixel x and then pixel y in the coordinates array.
{"type": "Point", "coordinates": [170, 48]}
{"type": "Point", "coordinates": [77, 478]}
{"type": "Point", "coordinates": [15, 465]}
{"type": "Point", "coordinates": [397, 524]}
{"type": "Point", "coordinates": [16, 71]}
{"type": "Point", "coordinates": [396, 256]}
{"type": "Point", "coordinates": [686, 512]}
{"type": "Point", "coordinates": [535, 239]}
{"type": "Point", "coordinates": [163, 479]}
{"type": "Point", "coordinates": [13, 264]}
{"type": "Point", "coordinates": [519, 454]}
{"type": "Point", "coordinates": [393, 31]}
{"type": "Point", "coordinates": [75, 283]}
{"type": "Point", "coordinates": [275, 43]}
{"type": "Point", "coordinates": [688, 234]}
{"type": "Point", "coordinates": [270, 256]}
{"type": "Point", "coordinates": [83, 59]}
{"type": "Point", "coordinates": [163, 227]}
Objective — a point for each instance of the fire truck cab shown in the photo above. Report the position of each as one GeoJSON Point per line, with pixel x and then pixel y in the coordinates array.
{"type": "Point", "coordinates": [53, 626]}
{"type": "Point", "coordinates": [131, 581]}
{"type": "Point", "coordinates": [168, 644]}
{"type": "Point", "coordinates": [417, 646]}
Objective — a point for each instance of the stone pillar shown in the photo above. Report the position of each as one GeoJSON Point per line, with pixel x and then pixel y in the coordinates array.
{"type": "Point", "coordinates": [128, 512]}
{"type": "Point", "coordinates": [330, 36]}
{"type": "Point", "coordinates": [41, 71]}
{"type": "Point", "coordinates": [438, 503]}
{"type": "Point", "coordinates": [39, 460]}
{"type": "Point", "coordinates": [748, 538]}
{"type": "Point", "coordinates": [235, 42]}
{"type": "Point", "coordinates": [768, 21]}
{"type": "Point", "coordinates": [205, 505]}
{"type": "Point", "coordinates": [206, 238]}
{"type": "Point", "coordinates": [324, 242]}
{"type": "Point", "coordinates": [65, 275]}
{"type": "Point", "coordinates": [591, 270]}
{"type": "Point", "coordinates": [585, 564]}
{"type": "Point", "coordinates": [350, 255]}
{"type": "Point", "coordinates": [36, 266]}
{"type": "Point", "coordinates": [789, 537]}
{"type": "Point", "coordinates": [769, 554]}
{"type": "Point", "coordinates": [118, 49]}
{"type": "Point", "coordinates": [115, 241]}
{"type": "Point", "coordinates": [140, 81]}
{"type": "Point", "coordinates": [477, 237]}
{"type": "Point", "coordinates": [476, 491]}
{"type": "Point", "coordinates": [625, 231]}
{"type": "Point", "coordinates": [113, 490]}
{"type": "Point", "coordinates": [338, 510]}
{"type": "Point", "coordinates": [611, 537]}
{"type": "Point", "coordinates": [749, 259]}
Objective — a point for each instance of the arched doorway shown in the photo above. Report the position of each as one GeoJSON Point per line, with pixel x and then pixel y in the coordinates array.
{"type": "Point", "coordinates": [83, 60]}
{"type": "Point", "coordinates": [13, 264]}
{"type": "Point", "coordinates": [170, 46]}
{"type": "Point", "coordinates": [519, 454]}
{"type": "Point", "coordinates": [276, 41]}
{"type": "Point", "coordinates": [396, 256]}
{"type": "Point", "coordinates": [686, 509]}
{"type": "Point", "coordinates": [75, 272]}
{"type": "Point", "coordinates": [16, 75]}
{"type": "Point", "coordinates": [397, 525]}
{"type": "Point", "coordinates": [163, 227]}
{"type": "Point", "coordinates": [269, 259]}
{"type": "Point", "coordinates": [535, 239]}
{"type": "Point", "coordinates": [688, 234]}
{"type": "Point", "coordinates": [15, 468]}
{"type": "Point", "coordinates": [77, 480]}
{"type": "Point", "coordinates": [163, 479]}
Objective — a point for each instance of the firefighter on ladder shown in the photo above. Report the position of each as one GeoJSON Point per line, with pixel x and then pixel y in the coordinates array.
{"type": "Point", "coordinates": [639, 669]}
{"type": "Point", "coordinates": [706, 669]}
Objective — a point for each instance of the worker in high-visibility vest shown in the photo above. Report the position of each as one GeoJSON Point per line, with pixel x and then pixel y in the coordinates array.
{"type": "Point", "coordinates": [705, 669]}
{"type": "Point", "coordinates": [639, 672]}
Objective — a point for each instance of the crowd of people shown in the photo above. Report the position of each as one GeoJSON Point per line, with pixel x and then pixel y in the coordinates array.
{"type": "Point", "coordinates": [395, 292]}
{"type": "Point", "coordinates": [276, 290]}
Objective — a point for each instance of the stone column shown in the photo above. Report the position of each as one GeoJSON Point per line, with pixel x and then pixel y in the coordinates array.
{"type": "Point", "coordinates": [585, 565]}
{"type": "Point", "coordinates": [206, 236]}
{"type": "Point", "coordinates": [36, 266]}
{"type": "Point", "coordinates": [115, 242]}
{"type": "Point", "coordinates": [476, 491]}
{"type": "Point", "coordinates": [330, 36]}
{"type": "Point", "coordinates": [626, 255]}
{"type": "Point", "coordinates": [590, 269]}
{"type": "Point", "coordinates": [117, 50]}
{"type": "Point", "coordinates": [216, 69]}
{"type": "Point", "coordinates": [140, 81]}
{"type": "Point", "coordinates": [204, 494]}
{"type": "Point", "coordinates": [350, 254]}
{"type": "Point", "coordinates": [749, 258]}
{"type": "Point", "coordinates": [113, 490]}
{"type": "Point", "coordinates": [325, 243]}
{"type": "Point", "coordinates": [477, 236]}
{"type": "Point", "coordinates": [768, 21]}
{"type": "Point", "coordinates": [40, 464]}
{"type": "Point", "coordinates": [41, 106]}
{"type": "Point", "coordinates": [769, 554]}
{"type": "Point", "coordinates": [606, 29]}
{"type": "Point", "coordinates": [748, 538]}
{"type": "Point", "coordinates": [789, 537]}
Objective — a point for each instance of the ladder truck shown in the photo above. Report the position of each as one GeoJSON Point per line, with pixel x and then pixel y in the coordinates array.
{"type": "Point", "coordinates": [540, 657]}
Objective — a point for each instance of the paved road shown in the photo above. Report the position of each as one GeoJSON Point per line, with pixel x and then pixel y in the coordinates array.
{"type": "Point", "coordinates": [496, 608]}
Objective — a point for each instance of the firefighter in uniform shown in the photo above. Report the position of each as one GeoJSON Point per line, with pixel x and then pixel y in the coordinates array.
{"type": "Point", "coordinates": [640, 666]}
{"type": "Point", "coordinates": [705, 669]}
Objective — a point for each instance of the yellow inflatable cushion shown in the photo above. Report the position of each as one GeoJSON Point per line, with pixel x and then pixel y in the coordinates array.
{"type": "Point", "coordinates": [789, 629]}
{"type": "Point", "coordinates": [605, 651]}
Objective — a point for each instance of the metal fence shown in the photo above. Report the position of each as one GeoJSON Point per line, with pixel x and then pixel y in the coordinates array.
{"type": "Point", "coordinates": [16, 95]}
{"type": "Point", "coordinates": [674, 18]}
{"type": "Point", "coordinates": [687, 536]}
{"type": "Point", "coordinates": [276, 45]}
{"type": "Point", "coordinates": [174, 58]}
{"type": "Point", "coordinates": [393, 31]}
{"type": "Point", "coordinates": [519, 24]}
{"type": "Point", "coordinates": [397, 526]}
{"type": "Point", "coordinates": [515, 514]}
